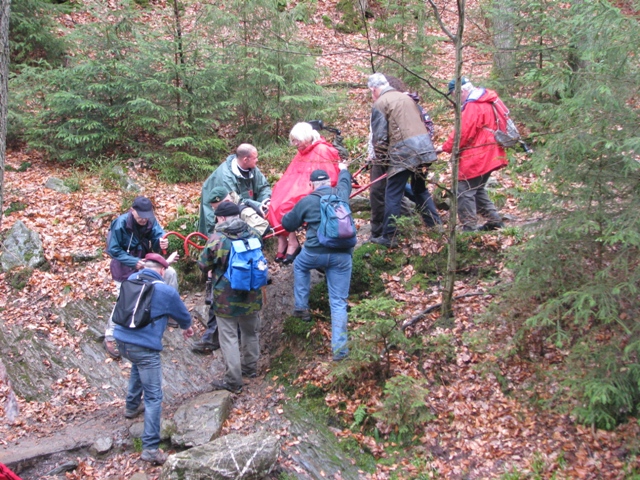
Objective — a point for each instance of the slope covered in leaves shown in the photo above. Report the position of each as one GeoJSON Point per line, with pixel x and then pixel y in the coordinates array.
{"type": "Point", "coordinates": [487, 421]}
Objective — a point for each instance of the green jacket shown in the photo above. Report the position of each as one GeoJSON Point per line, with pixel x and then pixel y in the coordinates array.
{"type": "Point", "coordinates": [253, 190]}
{"type": "Point", "coordinates": [215, 258]}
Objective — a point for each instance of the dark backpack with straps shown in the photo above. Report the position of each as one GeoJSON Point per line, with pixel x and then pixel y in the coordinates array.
{"type": "Point", "coordinates": [337, 228]}
{"type": "Point", "coordinates": [133, 307]}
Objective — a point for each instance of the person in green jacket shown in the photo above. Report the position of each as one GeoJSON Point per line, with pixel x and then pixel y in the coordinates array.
{"type": "Point", "coordinates": [239, 173]}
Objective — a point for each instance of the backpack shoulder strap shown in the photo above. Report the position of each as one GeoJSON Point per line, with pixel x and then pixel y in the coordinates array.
{"type": "Point", "coordinates": [149, 278]}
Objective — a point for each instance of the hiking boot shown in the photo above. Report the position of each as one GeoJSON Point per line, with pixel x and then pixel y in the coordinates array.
{"type": "Point", "coordinates": [303, 315]}
{"type": "Point", "coordinates": [249, 374]}
{"type": "Point", "coordinates": [385, 242]}
{"type": "Point", "coordinates": [469, 228]}
{"type": "Point", "coordinates": [134, 413]}
{"type": "Point", "coordinates": [204, 347]}
{"type": "Point", "coordinates": [157, 456]}
{"type": "Point", "coordinates": [220, 385]}
{"type": "Point", "coordinates": [489, 226]}
{"type": "Point", "coordinates": [112, 348]}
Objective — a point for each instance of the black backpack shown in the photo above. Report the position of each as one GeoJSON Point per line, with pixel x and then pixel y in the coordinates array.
{"type": "Point", "coordinates": [133, 307]}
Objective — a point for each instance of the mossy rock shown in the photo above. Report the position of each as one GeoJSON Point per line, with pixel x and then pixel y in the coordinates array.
{"type": "Point", "coordinates": [19, 277]}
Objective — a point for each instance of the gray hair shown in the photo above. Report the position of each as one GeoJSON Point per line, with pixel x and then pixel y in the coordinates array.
{"type": "Point", "coordinates": [321, 183]}
{"type": "Point", "coordinates": [303, 132]}
{"type": "Point", "coordinates": [377, 80]}
{"type": "Point", "coordinates": [153, 265]}
{"type": "Point", "coordinates": [244, 150]}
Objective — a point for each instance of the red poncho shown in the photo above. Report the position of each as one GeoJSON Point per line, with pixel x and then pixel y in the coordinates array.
{"type": "Point", "coordinates": [294, 183]}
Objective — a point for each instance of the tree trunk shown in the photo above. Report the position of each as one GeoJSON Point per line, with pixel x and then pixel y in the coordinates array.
{"type": "Point", "coordinates": [447, 294]}
{"type": "Point", "coordinates": [5, 9]}
{"type": "Point", "coordinates": [504, 42]}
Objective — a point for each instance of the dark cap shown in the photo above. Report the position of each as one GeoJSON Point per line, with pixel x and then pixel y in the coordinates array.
{"type": "Point", "coordinates": [217, 194]}
{"type": "Point", "coordinates": [143, 207]}
{"type": "Point", "coordinates": [319, 175]}
{"type": "Point", "coordinates": [227, 209]}
{"type": "Point", "coordinates": [452, 84]}
{"type": "Point", "coordinates": [155, 257]}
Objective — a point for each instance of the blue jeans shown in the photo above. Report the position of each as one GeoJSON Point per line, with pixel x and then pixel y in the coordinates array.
{"type": "Point", "coordinates": [337, 268]}
{"type": "Point", "coordinates": [146, 377]}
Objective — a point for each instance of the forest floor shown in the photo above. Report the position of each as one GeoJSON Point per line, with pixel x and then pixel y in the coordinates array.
{"type": "Point", "coordinates": [489, 421]}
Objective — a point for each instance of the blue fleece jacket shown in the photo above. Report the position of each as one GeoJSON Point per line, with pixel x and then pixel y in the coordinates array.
{"type": "Point", "coordinates": [165, 302]}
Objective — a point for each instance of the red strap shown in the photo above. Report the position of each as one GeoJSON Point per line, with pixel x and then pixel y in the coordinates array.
{"type": "Point", "coordinates": [6, 474]}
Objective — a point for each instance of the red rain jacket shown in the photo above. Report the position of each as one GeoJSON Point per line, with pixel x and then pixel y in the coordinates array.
{"type": "Point", "coordinates": [294, 183]}
{"type": "Point", "coordinates": [479, 152]}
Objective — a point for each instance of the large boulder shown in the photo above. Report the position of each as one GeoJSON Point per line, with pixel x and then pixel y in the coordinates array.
{"type": "Point", "coordinates": [22, 248]}
{"type": "Point", "coordinates": [233, 456]}
{"type": "Point", "coordinates": [200, 420]}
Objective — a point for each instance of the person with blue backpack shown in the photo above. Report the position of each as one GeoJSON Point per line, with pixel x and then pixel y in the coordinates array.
{"type": "Point", "coordinates": [328, 246]}
{"type": "Point", "coordinates": [233, 255]}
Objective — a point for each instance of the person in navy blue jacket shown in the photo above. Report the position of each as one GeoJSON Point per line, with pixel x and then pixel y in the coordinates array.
{"type": "Point", "coordinates": [142, 348]}
{"type": "Point", "coordinates": [131, 236]}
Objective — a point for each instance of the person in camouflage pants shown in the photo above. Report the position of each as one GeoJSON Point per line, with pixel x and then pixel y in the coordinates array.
{"type": "Point", "coordinates": [234, 309]}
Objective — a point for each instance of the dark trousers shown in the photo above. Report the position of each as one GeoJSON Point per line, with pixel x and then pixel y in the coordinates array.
{"type": "Point", "coordinates": [211, 333]}
{"type": "Point", "coordinates": [393, 201]}
{"type": "Point", "coordinates": [376, 199]}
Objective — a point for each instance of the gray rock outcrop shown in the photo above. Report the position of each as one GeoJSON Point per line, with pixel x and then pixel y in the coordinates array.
{"type": "Point", "coordinates": [230, 457]}
{"type": "Point", "coordinates": [167, 428]}
{"type": "Point", "coordinates": [200, 420]}
{"type": "Point", "coordinates": [22, 248]}
{"type": "Point", "coordinates": [37, 361]}
{"type": "Point", "coordinates": [57, 185]}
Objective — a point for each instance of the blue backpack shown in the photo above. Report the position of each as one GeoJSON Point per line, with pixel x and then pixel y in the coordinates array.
{"type": "Point", "coordinates": [337, 229]}
{"type": "Point", "coordinates": [247, 269]}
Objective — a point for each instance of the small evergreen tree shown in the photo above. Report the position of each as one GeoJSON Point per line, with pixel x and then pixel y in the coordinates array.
{"type": "Point", "coordinates": [130, 90]}
{"type": "Point", "coordinates": [580, 267]}
{"type": "Point", "coordinates": [31, 33]}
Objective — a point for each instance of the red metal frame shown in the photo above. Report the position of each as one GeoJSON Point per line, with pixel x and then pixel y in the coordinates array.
{"type": "Point", "coordinates": [277, 230]}
{"type": "Point", "coordinates": [187, 239]}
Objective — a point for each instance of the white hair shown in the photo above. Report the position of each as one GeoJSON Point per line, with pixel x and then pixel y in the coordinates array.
{"type": "Point", "coordinates": [467, 87]}
{"type": "Point", "coordinates": [303, 132]}
{"type": "Point", "coordinates": [321, 183]}
{"type": "Point", "coordinates": [377, 80]}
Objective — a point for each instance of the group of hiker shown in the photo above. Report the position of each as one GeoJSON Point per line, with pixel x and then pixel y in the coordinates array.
{"type": "Point", "coordinates": [238, 208]}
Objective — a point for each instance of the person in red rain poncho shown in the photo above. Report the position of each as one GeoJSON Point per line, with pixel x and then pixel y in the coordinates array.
{"type": "Point", "coordinates": [314, 153]}
{"type": "Point", "coordinates": [480, 154]}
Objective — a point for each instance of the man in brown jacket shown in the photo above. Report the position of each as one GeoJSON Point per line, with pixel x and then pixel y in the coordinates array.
{"type": "Point", "coordinates": [402, 143]}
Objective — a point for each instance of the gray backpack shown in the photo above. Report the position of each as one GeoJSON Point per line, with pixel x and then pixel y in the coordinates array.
{"type": "Point", "coordinates": [507, 136]}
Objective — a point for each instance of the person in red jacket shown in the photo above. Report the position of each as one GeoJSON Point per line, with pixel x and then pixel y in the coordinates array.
{"type": "Point", "coordinates": [314, 153]}
{"type": "Point", "coordinates": [480, 154]}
